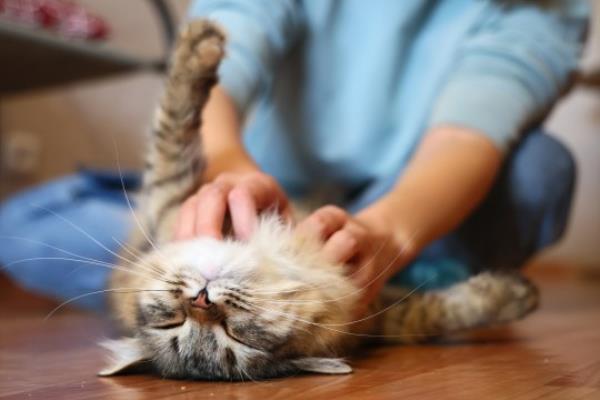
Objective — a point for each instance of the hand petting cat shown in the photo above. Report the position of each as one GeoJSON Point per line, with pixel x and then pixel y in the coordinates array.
{"type": "Point", "coordinates": [371, 251]}
{"type": "Point", "coordinates": [243, 194]}
{"type": "Point", "coordinates": [372, 254]}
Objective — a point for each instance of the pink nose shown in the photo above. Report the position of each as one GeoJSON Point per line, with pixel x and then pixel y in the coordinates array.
{"type": "Point", "coordinates": [202, 301]}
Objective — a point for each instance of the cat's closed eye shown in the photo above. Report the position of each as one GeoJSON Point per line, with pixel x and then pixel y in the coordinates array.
{"type": "Point", "coordinates": [168, 325]}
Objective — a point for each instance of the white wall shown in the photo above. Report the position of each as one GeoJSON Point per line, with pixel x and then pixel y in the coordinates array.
{"type": "Point", "coordinates": [576, 121]}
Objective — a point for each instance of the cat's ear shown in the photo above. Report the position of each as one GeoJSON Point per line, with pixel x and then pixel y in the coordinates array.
{"type": "Point", "coordinates": [126, 355]}
{"type": "Point", "coordinates": [322, 365]}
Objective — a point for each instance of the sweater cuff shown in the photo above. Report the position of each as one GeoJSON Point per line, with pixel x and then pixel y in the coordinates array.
{"type": "Point", "coordinates": [497, 107]}
{"type": "Point", "coordinates": [237, 76]}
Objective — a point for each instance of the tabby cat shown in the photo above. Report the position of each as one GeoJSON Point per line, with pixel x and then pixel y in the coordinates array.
{"type": "Point", "coordinates": [230, 310]}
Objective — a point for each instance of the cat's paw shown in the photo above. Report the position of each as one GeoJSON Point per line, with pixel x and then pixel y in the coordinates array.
{"type": "Point", "coordinates": [509, 296]}
{"type": "Point", "coordinates": [200, 48]}
{"type": "Point", "coordinates": [522, 299]}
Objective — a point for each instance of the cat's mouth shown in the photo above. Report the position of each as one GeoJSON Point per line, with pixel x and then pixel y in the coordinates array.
{"type": "Point", "coordinates": [202, 309]}
{"type": "Point", "coordinates": [209, 315]}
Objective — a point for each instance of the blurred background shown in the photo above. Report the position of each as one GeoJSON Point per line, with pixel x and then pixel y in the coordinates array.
{"type": "Point", "coordinates": [49, 132]}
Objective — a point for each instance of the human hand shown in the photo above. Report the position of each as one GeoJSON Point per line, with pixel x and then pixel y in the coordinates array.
{"type": "Point", "coordinates": [243, 194]}
{"type": "Point", "coordinates": [372, 251]}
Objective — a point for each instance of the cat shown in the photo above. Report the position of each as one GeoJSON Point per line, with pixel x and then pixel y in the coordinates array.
{"type": "Point", "coordinates": [268, 307]}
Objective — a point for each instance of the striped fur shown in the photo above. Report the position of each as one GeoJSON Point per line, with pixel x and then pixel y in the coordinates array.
{"type": "Point", "coordinates": [272, 305]}
{"type": "Point", "coordinates": [174, 161]}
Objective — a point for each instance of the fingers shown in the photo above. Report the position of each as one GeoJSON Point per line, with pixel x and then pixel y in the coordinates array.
{"type": "Point", "coordinates": [343, 237]}
{"type": "Point", "coordinates": [324, 222]}
{"type": "Point", "coordinates": [203, 213]}
{"type": "Point", "coordinates": [341, 247]}
{"type": "Point", "coordinates": [249, 198]}
{"type": "Point", "coordinates": [186, 219]}
{"type": "Point", "coordinates": [243, 210]}
{"type": "Point", "coordinates": [244, 196]}
{"type": "Point", "coordinates": [346, 243]}
{"type": "Point", "coordinates": [211, 209]}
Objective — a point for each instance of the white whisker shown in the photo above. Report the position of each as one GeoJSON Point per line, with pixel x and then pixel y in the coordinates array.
{"type": "Point", "coordinates": [96, 263]}
{"type": "Point", "coordinates": [358, 290]}
{"type": "Point", "coordinates": [316, 287]}
{"type": "Point", "coordinates": [139, 261]}
{"type": "Point", "coordinates": [133, 213]}
{"type": "Point", "coordinates": [67, 252]}
{"type": "Point", "coordinates": [322, 326]}
{"type": "Point", "coordinates": [394, 304]}
{"type": "Point", "coordinates": [83, 231]}
{"type": "Point", "coordinates": [116, 290]}
{"type": "Point", "coordinates": [80, 257]}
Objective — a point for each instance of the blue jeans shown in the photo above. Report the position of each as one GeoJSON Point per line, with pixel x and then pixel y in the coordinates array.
{"type": "Point", "coordinates": [45, 231]}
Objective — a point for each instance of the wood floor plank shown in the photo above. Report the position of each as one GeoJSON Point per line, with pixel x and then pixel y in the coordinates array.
{"type": "Point", "coordinates": [554, 355]}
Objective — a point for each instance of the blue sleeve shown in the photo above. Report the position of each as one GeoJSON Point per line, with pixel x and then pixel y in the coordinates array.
{"type": "Point", "coordinates": [258, 32]}
{"type": "Point", "coordinates": [512, 68]}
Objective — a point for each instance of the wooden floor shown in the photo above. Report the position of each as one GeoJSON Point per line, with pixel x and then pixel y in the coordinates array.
{"type": "Point", "coordinates": [555, 354]}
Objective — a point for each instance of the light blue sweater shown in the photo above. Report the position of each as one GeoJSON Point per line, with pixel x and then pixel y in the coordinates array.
{"type": "Point", "coordinates": [340, 92]}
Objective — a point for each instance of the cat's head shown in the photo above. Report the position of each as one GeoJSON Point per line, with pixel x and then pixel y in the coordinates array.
{"type": "Point", "coordinates": [234, 311]}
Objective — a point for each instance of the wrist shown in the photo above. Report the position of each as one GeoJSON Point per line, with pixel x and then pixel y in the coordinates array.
{"type": "Point", "coordinates": [383, 222]}
{"type": "Point", "coordinates": [230, 160]}
{"type": "Point", "coordinates": [221, 137]}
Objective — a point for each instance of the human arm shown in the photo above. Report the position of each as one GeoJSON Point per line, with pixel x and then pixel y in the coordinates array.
{"type": "Point", "coordinates": [233, 184]}
{"type": "Point", "coordinates": [258, 33]}
{"type": "Point", "coordinates": [448, 176]}
{"type": "Point", "coordinates": [507, 74]}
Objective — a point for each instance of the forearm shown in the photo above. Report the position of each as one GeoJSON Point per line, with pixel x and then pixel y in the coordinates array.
{"type": "Point", "coordinates": [449, 175]}
{"type": "Point", "coordinates": [221, 137]}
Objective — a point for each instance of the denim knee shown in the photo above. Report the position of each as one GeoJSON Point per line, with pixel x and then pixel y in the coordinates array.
{"type": "Point", "coordinates": [541, 177]}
